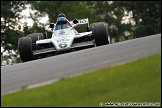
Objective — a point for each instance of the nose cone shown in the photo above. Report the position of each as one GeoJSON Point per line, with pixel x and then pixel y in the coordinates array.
{"type": "Point", "coordinates": [63, 42]}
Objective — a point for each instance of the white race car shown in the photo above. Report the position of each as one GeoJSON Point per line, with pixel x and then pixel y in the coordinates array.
{"type": "Point", "coordinates": [64, 38]}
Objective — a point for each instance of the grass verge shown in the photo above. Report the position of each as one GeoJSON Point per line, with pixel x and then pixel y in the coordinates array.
{"type": "Point", "coordinates": [137, 81]}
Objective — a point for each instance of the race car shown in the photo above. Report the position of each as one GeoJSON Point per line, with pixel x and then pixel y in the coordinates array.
{"type": "Point", "coordinates": [64, 38]}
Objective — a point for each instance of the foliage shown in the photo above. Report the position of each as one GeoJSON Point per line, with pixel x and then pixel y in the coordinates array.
{"type": "Point", "coordinates": [147, 16]}
{"type": "Point", "coordinates": [126, 19]}
{"type": "Point", "coordinates": [71, 9]}
{"type": "Point", "coordinates": [10, 25]}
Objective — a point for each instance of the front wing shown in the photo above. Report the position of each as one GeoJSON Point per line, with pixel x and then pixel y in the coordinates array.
{"type": "Point", "coordinates": [74, 46]}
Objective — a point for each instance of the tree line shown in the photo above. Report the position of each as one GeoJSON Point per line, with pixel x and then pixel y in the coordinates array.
{"type": "Point", "coordinates": [126, 19]}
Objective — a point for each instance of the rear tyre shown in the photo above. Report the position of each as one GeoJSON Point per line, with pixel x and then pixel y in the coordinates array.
{"type": "Point", "coordinates": [25, 49]}
{"type": "Point", "coordinates": [36, 36]}
{"type": "Point", "coordinates": [100, 33]}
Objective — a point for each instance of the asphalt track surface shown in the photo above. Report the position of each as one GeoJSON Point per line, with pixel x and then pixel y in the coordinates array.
{"type": "Point", "coordinates": [53, 68]}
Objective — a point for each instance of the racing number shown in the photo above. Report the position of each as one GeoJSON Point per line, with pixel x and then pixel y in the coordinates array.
{"type": "Point", "coordinates": [82, 21]}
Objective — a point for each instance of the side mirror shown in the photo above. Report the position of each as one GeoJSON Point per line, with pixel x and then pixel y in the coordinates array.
{"type": "Point", "coordinates": [48, 29]}
{"type": "Point", "coordinates": [51, 25]}
{"type": "Point", "coordinates": [75, 21]}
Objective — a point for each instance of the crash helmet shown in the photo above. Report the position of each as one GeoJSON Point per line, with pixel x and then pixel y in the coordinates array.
{"type": "Point", "coordinates": [61, 15]}
{"type": "Point", "coordinates": [62, 20]}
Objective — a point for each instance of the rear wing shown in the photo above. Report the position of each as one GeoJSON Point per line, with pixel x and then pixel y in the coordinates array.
{"type": "Point", "coordinates": [74, 22]}
{"type": "Point", "coordinates": [80, 21]}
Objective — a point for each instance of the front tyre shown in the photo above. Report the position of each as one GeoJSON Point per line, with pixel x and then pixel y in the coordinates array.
{"type": "Point", "coordinates": [100, 33]}
{"type": "Point", "coordinates": [25, 49]}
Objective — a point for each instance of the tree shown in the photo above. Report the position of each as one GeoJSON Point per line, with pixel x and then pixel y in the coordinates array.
{"type": "Point", "coordinates": [147, 16]}
{"type": "Point", "coordinates": [112, 13]}
{"type": "Point", "coordinates": [10, 33]}
{"type": "Point", "coordinates": [126, 19]}
{"type": "Point", "coordinates": [9, 23]}
{"type": "Point", "coordinates": [144, 17]}
{"type": "Point", "coordinates": [77, 9]}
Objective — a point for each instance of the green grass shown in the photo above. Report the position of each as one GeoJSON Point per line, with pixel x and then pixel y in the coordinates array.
{"type": "Point", "coordinates": [138, 81]}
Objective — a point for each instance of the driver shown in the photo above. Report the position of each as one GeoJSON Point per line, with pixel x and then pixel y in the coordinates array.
{"type": "Point", "coordinates": [61, 22]}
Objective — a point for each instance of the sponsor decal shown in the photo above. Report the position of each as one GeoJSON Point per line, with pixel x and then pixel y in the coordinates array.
{"type": "Point", "coordinates": [62, 39]}
{"type": "Point", "coordinates": [62, 32]}
{"type": "Point", "coordinates": [83, 21]}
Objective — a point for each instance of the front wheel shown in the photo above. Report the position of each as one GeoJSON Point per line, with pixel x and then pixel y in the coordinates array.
{"type": "Point", "coordinates": [25, 49]}
{"type": "Point", "coordinates": [100, 33]}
